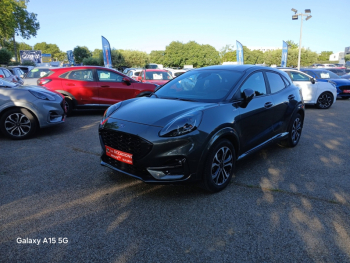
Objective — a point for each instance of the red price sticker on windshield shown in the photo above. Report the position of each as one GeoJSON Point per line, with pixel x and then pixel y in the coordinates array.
{"type": "Point", "coordinates": [119, 155]}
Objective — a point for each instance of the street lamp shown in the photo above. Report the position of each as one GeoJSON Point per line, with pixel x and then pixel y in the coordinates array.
{"type": "Point", "coordinates": [295, 17]}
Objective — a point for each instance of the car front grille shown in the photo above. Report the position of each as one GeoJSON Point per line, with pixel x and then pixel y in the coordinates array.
{"type": "Point", "coordinates": [344, 87]}
{"type": "Point", "coordinates": [126, 142]}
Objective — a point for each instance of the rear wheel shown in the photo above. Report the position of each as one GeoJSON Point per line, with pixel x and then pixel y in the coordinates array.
{"type": "Point", "coordinates": [325, 100]}
{"type": "Point", "coordinates": [219, 166]}
{"type": "Point", "coordinates": [18, 124]}
{"type": "Point", "coordinates": [294, 132]}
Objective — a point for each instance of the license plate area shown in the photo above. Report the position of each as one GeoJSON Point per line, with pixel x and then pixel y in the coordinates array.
{"type": "Point", "coordinates": [119, 155]}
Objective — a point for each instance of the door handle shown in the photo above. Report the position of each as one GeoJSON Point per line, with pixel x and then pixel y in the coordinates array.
{"type": "Point", "coordinates": [268, 105]}
{"type": "Point", "coordinates": [70, 84]}
{"type": "Point", "coordinates": [291, 97]}
{"type": "Point", "coordinates": [105, 86]}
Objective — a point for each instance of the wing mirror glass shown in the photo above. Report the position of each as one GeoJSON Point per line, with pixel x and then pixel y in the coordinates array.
{"type": "Point", "coordinates": [247, 95]}
{"type": "Point", "coordinates": [127, 81]}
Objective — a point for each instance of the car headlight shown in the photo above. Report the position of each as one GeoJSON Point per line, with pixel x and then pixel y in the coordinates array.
{"type": "Point", "coordinates": [110, 111]}
{"type": "Point", "coordinates": [182, 125]}
{"type": "Point", "coordinates": [333, 83]}
{"type": "Point", "coordinates": [42, 95]}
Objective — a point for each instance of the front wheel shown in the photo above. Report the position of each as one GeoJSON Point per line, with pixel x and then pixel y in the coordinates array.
{"type": "Point", "coordinates": [219, 166]}
{"type": "Point", "coordinates": [325, 100]}
{"type": "Point", "coordinates": [69, 105]}
{"type": "Point", "coordinates": [294, 132]}
{"type": "Point", "coordinates": [18, 124]}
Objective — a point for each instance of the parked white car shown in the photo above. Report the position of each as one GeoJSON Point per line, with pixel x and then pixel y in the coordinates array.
{"type": "Point", "coordinates": [322, 94]}
{"type": "Point", "coordinates": [34, 74]}
{"type": "Point", "coordinates": [134, 73]}
{"type": "Point", "coordinates": [176, 72]}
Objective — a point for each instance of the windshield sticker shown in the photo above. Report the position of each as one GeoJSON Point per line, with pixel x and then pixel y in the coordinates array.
{"type": "Point", "coordinates": [325, 75]}
{"type": "Point", "coordinates": [157, 76]}
{"type": "Point", "coordinates": [34, 70]}
{"type": "Point", "coordinates": [42, 73]}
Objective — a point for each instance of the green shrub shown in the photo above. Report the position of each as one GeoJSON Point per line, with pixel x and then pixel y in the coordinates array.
{"type": "Point", "coordinates": [28, 63]}
{"type": "Point", "coordinates": [5, 56]}
{"type": "Point", "coordinates": [91, 61]}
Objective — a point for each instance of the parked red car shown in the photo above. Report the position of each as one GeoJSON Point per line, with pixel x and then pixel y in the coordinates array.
{"type": "Point", "coordinates": [93, 87]}
{"type": "Point", "coordinates": [155, 76]}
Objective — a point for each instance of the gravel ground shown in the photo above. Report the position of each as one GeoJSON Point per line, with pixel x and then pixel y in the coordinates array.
{"type": "Point", "coordinates": [283, 205]}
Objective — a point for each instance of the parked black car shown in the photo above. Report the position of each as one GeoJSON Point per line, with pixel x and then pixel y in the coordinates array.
{"type": "Point", "coordinates": [195, 127]}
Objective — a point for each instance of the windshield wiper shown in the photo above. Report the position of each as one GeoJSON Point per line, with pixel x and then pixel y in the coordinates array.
{"type": "Point", "coordinates": [183, 99]}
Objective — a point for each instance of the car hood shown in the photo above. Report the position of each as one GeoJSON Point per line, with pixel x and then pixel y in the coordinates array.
{"type": "Point", "coordinates": [156, 111]}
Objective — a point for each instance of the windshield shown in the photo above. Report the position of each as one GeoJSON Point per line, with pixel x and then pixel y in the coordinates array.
{"type": "Point", "coordinates": [326, 74]}
{"type": "Point", "coordinates": [157, 75]}
{"type": "Point", "coordinates": [4, 83]}
{"type": "Point", "coordinates": [37, 73]}
{"type": "Point", "coordinates": [202, 85]}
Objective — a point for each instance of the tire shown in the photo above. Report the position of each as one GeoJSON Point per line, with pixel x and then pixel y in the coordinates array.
{"type": "Point", "coordinates": [18, 124]}
{"type": "Point", "coordinates": [69, 105]}
{"type": "Point", "coordinates": [294, 132]}
{"type": "Point", "coordinates": [325, 100]}
{"type": "Point", "coordinates": [219, 166]}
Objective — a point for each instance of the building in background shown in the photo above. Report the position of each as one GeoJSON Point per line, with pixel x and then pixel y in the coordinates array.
{"type": "Point", "coordinates": [339, 56]}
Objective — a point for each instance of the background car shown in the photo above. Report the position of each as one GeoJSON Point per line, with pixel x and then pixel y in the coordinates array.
{"type": "Point", "coordinates": [7, 75]}
{"type": "Point", "coordinates": [322, 94]}
{"type": "Point", "coordinates": [155, 76]}
{"type": "Point", "coordinates": [134, 73]}
{"type": "Point", "coordinates": [18, 73]}
{"type": "Point", "coordinates": [176, 72]}
{"type": "Point", "coordinates": [323, 75]}
{"type": "Point", "coordinates": [337, 71]}
{"type": "Point", "coordinates": [346, 76]}
{"type": "Point", "coordinates": [93, 86]}
{"type": "Point", "coordinates": [25, 69]}
{"type": "Point", "coordinates": [195, 133]}
{"type": "Point", "coordinates": [34, 74]}
{"type": "Point", "coordinates": [24, 109]}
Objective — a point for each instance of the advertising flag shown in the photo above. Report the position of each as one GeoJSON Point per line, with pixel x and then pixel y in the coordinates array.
{"type": "Point", "coordinates": [239, 53]}
{"type": "Point", "coordinates": [106, 48]}
{"type": "Point", "coordinates": [70, 57]}
{"type": "Point", "coordinates": [32, 55]}
{"type": "Point", "coordinates": [284, 54]}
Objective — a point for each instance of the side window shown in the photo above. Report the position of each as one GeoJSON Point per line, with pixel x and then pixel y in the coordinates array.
{"type": "Point", "coordinates": [310, 73]}
{"type": "Point", "coordinates": [130, 74]}
{"type": "Point", "coordinates": [137, 74]}
{"type": "Point", "coordinates": [143, 75]}
{"type": "Point", "coordinates": [275, 81]}
{"type": "Point", "coordinates": [83, 75]}
{"type": "Point", "coordinates": [109, 76]}
{"type": "Point", "coordinates": [287, 81]}
{"type": "Point", "coordinates": [7, 73]}
{"type": "Point", "coordinates": [255, 82]}
{"type": "Point", "coordinates": [296, 76]}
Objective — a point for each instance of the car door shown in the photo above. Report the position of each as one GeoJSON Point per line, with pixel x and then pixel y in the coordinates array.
{"type": "Point", "coordinates": [255, 122]}
{"type": "Point", "coordinates": [303, 81]}
{"type": "Point", "coordinates": [81, 84]}
{"type": "Point", "coordinates": [112, 88]}
{"type": "Point", "coordinates": [283, 100]}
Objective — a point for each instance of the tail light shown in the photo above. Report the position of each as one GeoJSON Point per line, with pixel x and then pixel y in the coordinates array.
{"type": "Point", "coordinates": [42, 82]}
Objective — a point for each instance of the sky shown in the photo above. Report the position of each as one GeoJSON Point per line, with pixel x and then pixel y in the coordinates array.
{"type": "Point", "coordinates": [153, 24]}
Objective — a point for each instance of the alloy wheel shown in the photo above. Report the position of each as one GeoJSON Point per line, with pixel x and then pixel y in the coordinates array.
{"type": "Point", "coordinates": [324, 101]}
{"type": "Point", "coordinates": [17, 124]}
{"type": "Point", "coordinates": [222, 165]}
{"type": "Point", "coordinates": [296, 130]}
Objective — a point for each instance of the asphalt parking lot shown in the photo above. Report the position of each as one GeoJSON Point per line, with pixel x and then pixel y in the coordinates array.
{"type": "Point", "coordinates": [283, 205]}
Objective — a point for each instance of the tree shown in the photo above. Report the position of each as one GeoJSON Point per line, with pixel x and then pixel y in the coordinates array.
{"type": "Point", "coordinates": [347, 57]}
{"type": "Point", "coordinates": [5, 56]}
{"type": "Point", "coordinates": [292, 44]}
{"type": "Point", "coordinates": [96, 53]}
{"type": "Point", "coordinates": [226, 49]}
{"type": "Point", "coordinates": [157, 56]}
{"type": "Point", "coordinates": [324, 56]}
{"type": "Point", "coordinates": [80, 53]}
{"type": "Point", "coordinates": [91, 61]}
{"type": "Point", "coordinates": [48, 49]}
{"type": "Point", "coordinates": [134, 58]}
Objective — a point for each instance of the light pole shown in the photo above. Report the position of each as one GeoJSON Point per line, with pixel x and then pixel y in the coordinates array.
{"type": "Point", "coordinates": [295, 17]}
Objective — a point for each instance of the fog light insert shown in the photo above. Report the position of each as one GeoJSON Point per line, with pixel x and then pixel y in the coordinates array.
{"type": "Point", "coordinates": [164, 174]}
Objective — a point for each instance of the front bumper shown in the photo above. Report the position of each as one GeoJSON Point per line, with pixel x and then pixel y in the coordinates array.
{"type": "Point", "coordinates": [155, 159]}
{"type": "Point", "coordinates": [50, 113]}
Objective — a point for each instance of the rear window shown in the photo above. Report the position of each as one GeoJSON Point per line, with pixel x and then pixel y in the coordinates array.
{"type": "Point", "coordinates": [36, 73]}
{"type": "Point", "coordinates": [157, 75]}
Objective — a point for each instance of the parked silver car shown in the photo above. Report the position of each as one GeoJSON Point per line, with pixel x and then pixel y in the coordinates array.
{"type": "Point", "coordinates": [24, 109]}
{"type": "Point", "coordinates": [34, 74]}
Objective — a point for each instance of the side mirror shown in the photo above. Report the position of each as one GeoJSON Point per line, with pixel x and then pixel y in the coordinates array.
{"type": "Point", "coordinates": [2, 76]}
{"type": "Point", "coordinates": [313, 81]}
{"type": "Point", "coordinates": [248, 95]}
{"type": "Point", "coordinates": [127, 81]}
{"type": "Point", "coordinates": [139, 78]}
